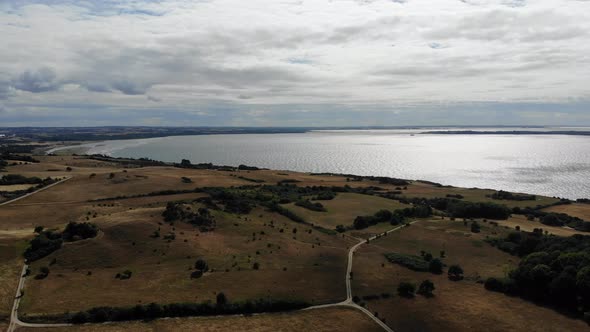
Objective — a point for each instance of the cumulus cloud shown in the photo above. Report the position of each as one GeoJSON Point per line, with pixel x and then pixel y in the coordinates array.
{"type": "Point", "coordinates": [36, 81]}
{"type": "Point", "coordinates": [212, 56]}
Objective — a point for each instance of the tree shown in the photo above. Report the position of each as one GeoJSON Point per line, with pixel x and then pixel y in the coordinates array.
{"type": "Point", "coordinates": [475, 228]}
{"type": "Point", "coordinates": [255, 266]}
{"type": "Point", "coordinates": [201, 265]}
{"type": "Point", "coordinates": [406, 289]}
{"type": "Point", "coordinates": [426, 288]}
{"type": "Point", "coordinates": [221, 299]}
{"type": "Point", "coordinates": [38, 229]}
{"type": "Point", "coordinates": [455, 272]}
{"type": "Point", "coordinates": [384, 215]}
{"type": "Point", "coordinates": [185, 163]}
{"type": "Point", "coordinates": [435, 266]}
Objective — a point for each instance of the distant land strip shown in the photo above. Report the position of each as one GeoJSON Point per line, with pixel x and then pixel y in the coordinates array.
{"type": "Point", "coordinates": [507, 132]}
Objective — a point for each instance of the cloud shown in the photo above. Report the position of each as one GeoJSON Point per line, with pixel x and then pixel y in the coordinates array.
{"type": "Point", "coordinates": [40, 80]}
{"type": "Point", "coordinates": [5, 87]}
{"type": "Point", "coordinates": [223, 58]}
{"type": "Point", "coordinates": [129, 88]}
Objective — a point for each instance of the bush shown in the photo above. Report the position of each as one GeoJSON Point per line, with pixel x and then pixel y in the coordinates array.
{"type": "Point", "coordinates": [42, 245]}
{"type": "Point", "coordinates": [475, 228]}
{"type": "Point", "coordinates": [412, 262]}
{"type": "Point", "coordinates": [79, 231]}
{"type": "Point", "coordinates": [426, 288]}
{"type": "Point", "coordinates": [221, 299]}
{"type": "Point", "coordinates": [153, 310]}
{"type": "Point", "coordinates": [495, 285]}
{"type": "Point", "coordinates": [124, 275]}
{"type": "Point", "coordinates": [201, 265]}
{"type": "Point", "coordinates": [318, 207]}
{"type": "Point", "coordinates": [435, 266]}
{"type": "Point", "coordinates": [406, 289]}
{"type": "Point", "coordinates": [455, 273]}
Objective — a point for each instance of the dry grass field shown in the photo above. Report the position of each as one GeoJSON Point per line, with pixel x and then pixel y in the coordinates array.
{"type": "Point", "coordinates": [457, 305]}
{"type": "Point", "coordinates": [304, 266]}
{"type": "Point", "coordinates": [419, 189]}
{"type": "Point", "coordinates": [296, 261]}
{"type": "Point", "coordinates": [579, 210]}
{"type": "Point", "coordinates": [10, 269]}
{"type": "Point", "coordinates": [344, 208]}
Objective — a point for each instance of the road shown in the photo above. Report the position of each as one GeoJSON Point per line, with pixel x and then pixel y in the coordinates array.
{"type": "Point", "coordinates": [348, 302]}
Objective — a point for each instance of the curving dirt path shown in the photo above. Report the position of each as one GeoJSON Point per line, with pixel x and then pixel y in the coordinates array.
{"type": "Point", "coordinates": [348, 302]}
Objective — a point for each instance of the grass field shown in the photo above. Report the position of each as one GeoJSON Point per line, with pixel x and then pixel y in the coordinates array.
{"type": "Point", "coordinates": [15, 187]}
{"type": "Point", "coordinates": [295, 260]}
{"type": "Point", "coordinates": [419, 189]}
{"type": "Point", "coordinates": [579, 210]}
{"type": "Point", "coordinates": [344, 208]}
{"type": "Point", "coordinates": [304, 266]}
{"type": "Point", "coordinates": [457, 305]}
{"type": "Point", "coordinates": [527, 225]}
{"type": "Point", "coordinates": [10, 267]}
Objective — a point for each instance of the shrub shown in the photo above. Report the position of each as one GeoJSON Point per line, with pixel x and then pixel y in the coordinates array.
{"type": "Point", "coordinates": [201, 265]}
{"type": "Point", "coordinates": [406, 289]}
{"type": "Point", "coordinates": [495, 285]}
{"type": "Point", "coordinates": [475, 228]}
{"type": "Point", "coordinates": [426, 288]}
{"type": "Point", "coordinates": [455, 272]}
{"type": "Point", "coordinates": [435, 266]}
{"type": "Point", "coordinates": [412, 262]}
{"type": "Point", "coordinates": [221, 299]}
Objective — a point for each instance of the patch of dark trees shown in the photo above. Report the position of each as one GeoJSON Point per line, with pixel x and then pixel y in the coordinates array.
{"type": "Point", "coordinates": [137, 162]}
{"type": "Point", "coordinates": [48, 241]}
{"type": "Point", "coordinates": [154, 310]}
{"type": "Point", "coordinates": [185, 163]}
{"type": "Point", "coordinates": [313, 206]}
{"type": "Point", "coordinates": [7, 149]}
{"type": "Point", "coordinates": [463, 209]}
{"type": "Point", "coordinates": [505, 195]}
{"type": "Point", "coordinates": [554, 271]}
{"type": "Point", "coordinates": [394, 218]}
{"type": "Point", "coordinates": [202, 218]}
{"type": "Point", "coordinates": [11, 179]}
{"type": "Point", "coordinates": [7, 155]}
{"type": "Point", "coordinates": [150, 194]}
{"type": "Point", "coordinates": [380, 179]}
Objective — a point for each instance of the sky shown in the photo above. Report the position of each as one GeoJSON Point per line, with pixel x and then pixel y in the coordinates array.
{"type": "Point", "coordinates": [294, 62]}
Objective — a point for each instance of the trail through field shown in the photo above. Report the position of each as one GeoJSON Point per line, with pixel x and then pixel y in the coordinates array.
{"type": "Point", "coordinates": [16, 322]}
{"type": "Point", "coordinates": [348, 302]}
